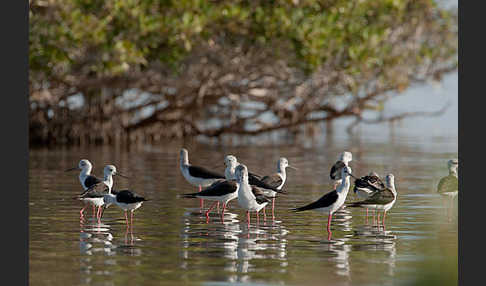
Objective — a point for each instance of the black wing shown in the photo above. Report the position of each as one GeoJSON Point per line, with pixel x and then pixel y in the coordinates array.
{"type": "Point", "coordinates": [373, 183]}
{"type": "Point", "coordinates": [273, 180]}
{"type": "Point", "coordinates": [264, 183]}
{"type": "Point", "coordinates": [377, 198]}
{"type": "Point", "coordinates": [95, 191]}
{"type": "Point", "coordinates": [217, 189]}
{"type": "Point", "coordinates": [260, 195]}
{"type": "Point", "coordinates": [204, 173]}
{"type": "Point", "coordinates": [91, 181]}
{"type": "Point", "coordinates": [256, 176]}
{"type": "Point", "coordinates": [128, 197]}
{"type": "Point", "coordinates": [336, 170]}
{"type": "Point", "coordinates": [325, 201]}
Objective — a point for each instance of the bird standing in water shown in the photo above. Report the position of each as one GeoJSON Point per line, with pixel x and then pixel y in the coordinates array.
{"type": "Point", "coordinates": [365, 186]}
{"type": "Point", "coordinates": [247, 199]}
{"type": "Point", "coordinates": [332, 201]}
{"type": "Point", "coordinates": [197, 176]}
{"type": "Point", "coordinates": [381, 199]}
{"type": "Point", "coordinates": [448, 186]}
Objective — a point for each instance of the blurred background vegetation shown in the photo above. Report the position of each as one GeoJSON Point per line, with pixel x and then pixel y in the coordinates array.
{"type": "Point", "coordinates": [144, 70]}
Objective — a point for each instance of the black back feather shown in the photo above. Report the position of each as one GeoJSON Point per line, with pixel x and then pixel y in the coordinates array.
{"type": "Point", "coordinates": [325, 201]}
{"type": "Point", "coordinates": [204, 173]}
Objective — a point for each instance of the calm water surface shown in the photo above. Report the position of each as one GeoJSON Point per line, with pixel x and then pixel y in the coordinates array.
{"type": "Point", "coordinates": [171, 240]}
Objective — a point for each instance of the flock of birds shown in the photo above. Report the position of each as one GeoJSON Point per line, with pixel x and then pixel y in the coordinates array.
{"type": "Point", "coordinates": [254, 192]}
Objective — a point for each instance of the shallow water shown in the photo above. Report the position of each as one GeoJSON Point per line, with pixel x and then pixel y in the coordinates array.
{"type": "Point", "coordinates": [171, 240]}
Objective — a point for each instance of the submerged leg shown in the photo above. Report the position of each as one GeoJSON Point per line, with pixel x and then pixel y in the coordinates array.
{"type": "Point", "coordinates": [82, 210]}
{"type": "Point", "coordinates": [201, 201]}
{"type": "Point", "coordinates": [222, 213]}
{"type": "Point", "coordinates": [126, 218]}
{"type": "Point", "coordinates": [273, 207]}
{"type": "Point", "coordinates": [329, 233]}
{"type": "Point", "coordinates": [98, 214]}
{"type": "Point", "coordinates": [209, 210]}
{"type": "Point", "coordinates": [131, 221]}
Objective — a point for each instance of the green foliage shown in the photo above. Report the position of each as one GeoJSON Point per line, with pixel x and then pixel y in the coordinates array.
{"type": "Point", "coordinates": [112, 37]}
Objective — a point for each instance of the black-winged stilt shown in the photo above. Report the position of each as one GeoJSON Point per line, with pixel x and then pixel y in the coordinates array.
{"type": "Point", "coordinates": [332, 201]}
{"type": "Point", "coordinates": [365, 186]}
{"type": "Point", "coordinates": [381, 199]}
{"type": "Point", "coordinates": [247, 199]}
{"type": "Point", "coordinates": [126, 200]}
{"type": "Point", "coordinates": [277, 180]}
{"type": "Point", "coordinates": [221, 191]}
{"type": "Point", "coordinates": [195, 175]}
{"type": "Point", "coordinates": [449, 185]}
{"type": "Point", "coordinates": [343, 160]}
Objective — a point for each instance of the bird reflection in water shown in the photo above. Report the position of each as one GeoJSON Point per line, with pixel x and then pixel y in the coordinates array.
{"type": "Point", "coordinates": [235, 242]}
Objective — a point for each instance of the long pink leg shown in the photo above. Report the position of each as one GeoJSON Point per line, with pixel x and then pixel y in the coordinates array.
{"type": "Point", "coordinates": [258, 218]}
{"type": "Point", "coordinates": [378, 220]}
{"type": "Point", "coordinates": [131, 221]}
{"type": "Point", "coordinates": [273, 207]}
{"type": "Point", "coordinates": [383, 222]}
{"type": "Point", "coordinates": [201, 201]}
{"type": "Point", "coordinates": [222, 213]}
{"type": "Point", "coordinates": [248, 217]}
{"type": "Point", "coordinates": [126, 218]}
{"type": "Point", "coordinates": [82, 210]}
{"type": "Point", "coordinates": [451, 206]}
{"type": "Point", "coordinates": [98, 214]}
{"type": "Point", "coordinates": [207, 212]}
{"type": "Point", "coordinates": [94, 208]}
{"type": "Point", "coordinates": [366, 216]}
{"type": "Point", "coordinates": [329, 233]}
{"type": "Point", "coordinates": [264, 214]}
{"type": "Point", "coordinates": [217, 206]}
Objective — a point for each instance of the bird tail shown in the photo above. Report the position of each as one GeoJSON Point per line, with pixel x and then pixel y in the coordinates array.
{"type": "Point", "coordinates": [304, 208]}
{"type": "Point", "coordinates": [188, 196]}
{"type": "Point", "coordinates": [353, 205]}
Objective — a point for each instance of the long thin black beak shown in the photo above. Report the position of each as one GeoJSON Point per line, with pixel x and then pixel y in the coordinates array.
{"type": "Point", "coordinates": [72, 169]}
{"type": "Point", "coordinates": [121, 175]}
{"type": "Point", "coordinates": [292, 167]}
{"type": "Point", "coordinates": [353, 176]}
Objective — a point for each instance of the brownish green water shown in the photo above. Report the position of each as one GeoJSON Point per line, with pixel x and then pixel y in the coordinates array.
{"type": "Point", "coordinates": [172, 242]}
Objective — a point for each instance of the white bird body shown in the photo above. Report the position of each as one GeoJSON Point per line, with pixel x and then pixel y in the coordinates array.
{"type": "Point", "coordinates": [342, 192]}
{"type": "Point", "coordinates": [246, 198]}
{"type": "Point", "coordinates": [197, 176]}
{"type": "Point", "coordinates": [111, 199]}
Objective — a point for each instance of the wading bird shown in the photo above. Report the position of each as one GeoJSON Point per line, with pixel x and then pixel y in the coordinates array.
{"type": "Point", "coordinates": [332, 201]}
